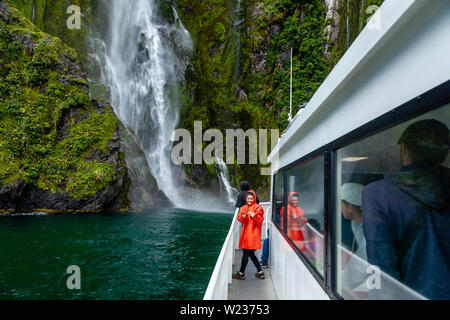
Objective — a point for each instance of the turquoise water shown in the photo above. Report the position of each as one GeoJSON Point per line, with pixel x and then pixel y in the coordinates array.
{"type": "Point", "coordinates": [156, 254]}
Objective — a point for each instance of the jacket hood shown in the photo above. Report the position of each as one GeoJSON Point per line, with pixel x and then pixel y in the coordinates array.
{"type": "Point", "coordinates": [254, 196]}
{"type": "Point", "coordinates": [245, 186]}
{"type": "Point", "coordinates": [291, 194]}
{"type": "Point", "coordinates": [430, 186]}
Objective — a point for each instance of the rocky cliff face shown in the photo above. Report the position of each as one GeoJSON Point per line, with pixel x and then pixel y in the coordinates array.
{"type": "Point", "coordinates": [51, 17]}
{"type": "Point", "coordinates": [58, 149]}
{"type": "Point", "coordinates": [143, 191]}
{"type": "Point", "coordinates": [345, 20]}
{"type": "Point", "coordinates": [254, 37]}
{"type": "Point", "coordinates": [238, 77]}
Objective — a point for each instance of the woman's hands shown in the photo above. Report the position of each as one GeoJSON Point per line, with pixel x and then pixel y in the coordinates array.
{"type": "Point", "coordinates": [252, 214]}
{"type": "Point", "coordinates": [303, 221]}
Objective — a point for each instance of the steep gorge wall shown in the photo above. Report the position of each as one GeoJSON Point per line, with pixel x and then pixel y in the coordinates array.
{"type": "Point", "coordinates": [59, 150]}
{"type": "Point", "coordinates": [51, 16]}
{"type": "Point", "coordinates": [239, 74]}
{"type": "Point", "coordinates": [87, 159]}
{"type": "Point", "coordinates": [241, 68]}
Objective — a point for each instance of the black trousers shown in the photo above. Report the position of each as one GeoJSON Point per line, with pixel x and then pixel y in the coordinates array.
{"type": "Point", "coordinates": [249, 254]}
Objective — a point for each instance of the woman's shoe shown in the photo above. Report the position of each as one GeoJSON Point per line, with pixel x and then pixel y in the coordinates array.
{"type": "Point", "coordinates": [264, 265]}
{"type": "Point", "coordinates": [239, 275]}
{"type": "Point", "coordinates": [260, 275]}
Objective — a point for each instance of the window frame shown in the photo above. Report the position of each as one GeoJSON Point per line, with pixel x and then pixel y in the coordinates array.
{"type": "Point", "coordinates": [274, 209]}
{"type": "Point", "coordinates": [435, 98]}
{"type": "Point", "coordinates": [319, 277]}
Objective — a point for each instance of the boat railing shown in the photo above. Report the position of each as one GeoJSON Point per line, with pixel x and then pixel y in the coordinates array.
{"type": "Point", "coordinates": [221, 276]}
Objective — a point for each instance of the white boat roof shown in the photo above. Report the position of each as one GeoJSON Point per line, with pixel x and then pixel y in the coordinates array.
{"type": "Point", "coordinates": [400, 54]}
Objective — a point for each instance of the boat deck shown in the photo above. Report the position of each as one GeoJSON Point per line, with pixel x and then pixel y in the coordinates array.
{"type": "Point", "coordinates": [251, 288]}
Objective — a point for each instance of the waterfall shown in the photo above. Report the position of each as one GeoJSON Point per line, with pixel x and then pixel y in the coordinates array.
{"type": "Point", "coordinates": [223, 176]}
{"type": "Point", "coordinates": [33, 12]}
{"type": "Point", "coordinates": [139, 61]}
{"type": "Point", "coordinates": [347, 43]}
{"type": "Point", "coordinates": [237, 26]}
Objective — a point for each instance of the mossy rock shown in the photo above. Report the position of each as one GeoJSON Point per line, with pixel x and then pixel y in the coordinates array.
{"type": "Point", "coordinates": [51, 17]}
{"type": "Point", "coordinates": [56, 145]}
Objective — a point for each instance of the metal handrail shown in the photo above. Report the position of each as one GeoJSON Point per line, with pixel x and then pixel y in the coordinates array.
{"type": "Point", "coordinates": [220, 279]}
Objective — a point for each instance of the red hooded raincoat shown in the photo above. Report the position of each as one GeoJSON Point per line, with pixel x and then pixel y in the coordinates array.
{"type": "Point", "coordinates": [251, 227]}
{"type": "Point", "coordinates": [296, 221]}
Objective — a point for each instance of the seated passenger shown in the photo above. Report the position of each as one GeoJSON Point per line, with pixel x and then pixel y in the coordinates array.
{"type": "Point", "coordinates": [355, 272]}
{"type": "Point", "coordinates": [351, 210]}
{"type": "Point", "coordinates": [407, 216]}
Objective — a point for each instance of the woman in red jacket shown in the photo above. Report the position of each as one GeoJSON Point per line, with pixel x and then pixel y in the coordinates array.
{"type": "Point", "coordinates": [295, 221]}
{"type": "Point", "coordinates": [251, 216]}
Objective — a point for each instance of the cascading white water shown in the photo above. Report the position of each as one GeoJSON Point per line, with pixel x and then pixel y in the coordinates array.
{"type": "Point", "coordinates": [347, 40]}
{"type": "Point", "coordinates": [238, 21]}
{"type": "Point", "coordinates": [223, 175]}
{"type": "Point", "coordinates": [138, 61]}
{"type": "Point", "coordinates": [33, 12]}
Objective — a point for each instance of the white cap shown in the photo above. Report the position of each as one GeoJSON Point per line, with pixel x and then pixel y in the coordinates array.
{"type": "Point", "coordinates": [352, 193]}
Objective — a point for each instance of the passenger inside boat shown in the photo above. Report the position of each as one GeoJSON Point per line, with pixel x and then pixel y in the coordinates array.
{"type": "Point", "coordinates": [354, 275]}
{"type": "Point", "coordinates": [404, 173]}
{"type": "Point", "coordinates": [407, 214]}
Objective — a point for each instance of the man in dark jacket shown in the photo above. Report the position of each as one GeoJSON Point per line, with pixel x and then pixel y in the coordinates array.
{"type": "Point", "coordinates": [245, 186]}
{"type": "Point", "coordinates": [406, 217]}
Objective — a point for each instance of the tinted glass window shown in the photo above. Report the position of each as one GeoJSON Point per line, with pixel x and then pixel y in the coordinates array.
{"type": "Point", "coordinates": [393, 190]}
{"type": "Point", "coordinates": [305, 210]}
{"type": "Point", "coordinates": [278, 198]}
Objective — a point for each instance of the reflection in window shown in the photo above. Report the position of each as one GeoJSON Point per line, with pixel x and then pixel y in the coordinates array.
{"type": "Point", "coordinates": [305, 210]}
{"type": "Point", "coordinates": [393, 189]}
{"type": "Point", "coordinates": [278, 198]}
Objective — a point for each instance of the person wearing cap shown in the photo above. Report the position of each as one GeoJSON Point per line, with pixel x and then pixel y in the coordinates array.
{"type": "Point", "coordinates": [354, 274]}
{"type": "Point", "coordinates": [406, 216]}
{"type": "Point", "coordinates": [351, 202]}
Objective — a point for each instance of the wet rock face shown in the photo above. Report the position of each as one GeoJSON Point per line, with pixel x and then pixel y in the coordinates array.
{"type": "Point", "coordinates": [333, 25]}
{"type": "Point", "coordinates": [259, 58]}
{"type": "Point", "coordinates": [59, 150]}
{"type": "Point", "coordinates": [23, 197]}
{"type": "Point", "coordinates": [183, 53]}
{"type": "Point", "coordinates": [4, 11]}
{"type": "Point", "coordinates": [143, 189]}
{"type": "Point", "coordinates": [51, 16]}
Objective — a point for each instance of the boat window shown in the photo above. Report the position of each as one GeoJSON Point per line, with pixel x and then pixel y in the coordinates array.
{"type": "Point", "coordinates": [392, 188]}
{"type": "Point", "coordinates": [278, 198]}
{"type": "Point", "coordinates": [305, 210]}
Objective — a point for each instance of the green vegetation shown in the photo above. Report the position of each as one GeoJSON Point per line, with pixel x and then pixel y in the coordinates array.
{"type": "Point", "coordinates": [241, 73]}
{"type": "Point", "coordinates": [300, 25]}
{"type": "Point", "coordinates": [50, 131]}
{"type": "Point", "coordinates": [223, 98]}
{"type": "Point", "coordinates": [358, 12]}
{"type": "Point", "coordinates": [50, 16]}
{"type": "Point", "coordinates": [238, 78]}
